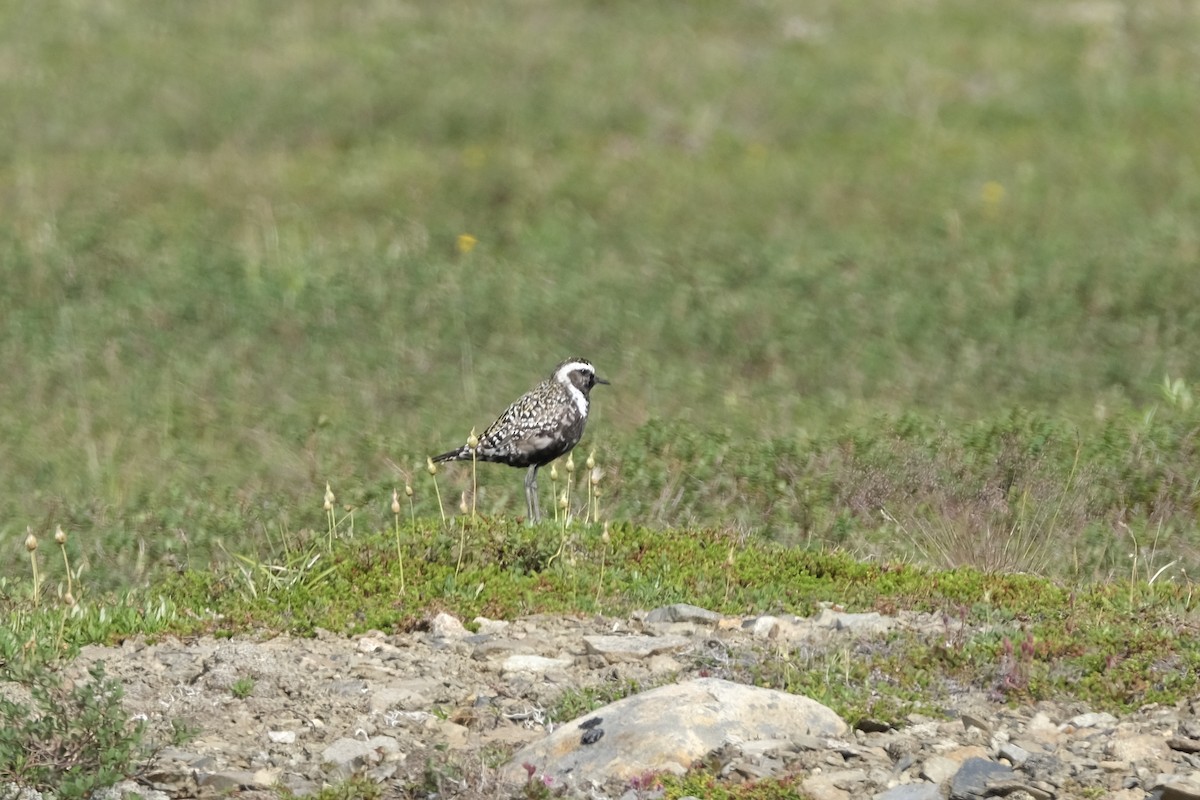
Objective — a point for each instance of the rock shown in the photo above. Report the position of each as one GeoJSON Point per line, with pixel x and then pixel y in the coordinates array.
{"type": "Point", "coordinates": [1141, 747]}
{"type": "Point", "coordinates": [1170, 787]}
{"type": "Point", "coordinates": [668, 729]}
{"type": "Point", "coordinates": [939, 769]}
{"type": "Point", "coordinates": [282, 737]}
{"type": "Point", "coordinates": [615, 649]}
{"type": "Point", "coordinates": [491, 627]}
{"type": "Point", "coordinates": [663, 665]}
{"type": "Point", "coordinates": [445, 626]}
{"type": "Point", "coordinates": [1183, 744]}
{"type": "Point", "coordinates": [1093, 720]}
{"type": "Point", "coordinates": [539, 665]}
{"type": "Point", "coordinates": [683, 612]}
{"type": "Point", "coordinates": [346, 756]}
{"type": "Point", "coordinates": [119, 791]}
{"type": "Point", "coordinates": [870, 623]}
{"type": "Point", "coordinates": [234, 780]}
{"type": "Point", "coordinates": [407, 695]}
{"type": "Point", "coordinates": [823, 787]}
{"type": "Point", "coordinates": [765, 627]}
{"type": "Point", "coordinates": [1015, 754]}
{"type": "Point", "coordinates": [374, 644]}
{"type": "Point", "coordinates": [972, 779]}
{"type": "Point", "coordinates": [491, 649]}
{"type": "Point", "coordinates": [975, 721]}
{"type": "Point", "coordinates": [912, 791]}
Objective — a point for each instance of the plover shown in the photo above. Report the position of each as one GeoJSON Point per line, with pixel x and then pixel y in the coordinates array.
{"type": "Point", "coordinates": [545, 423]}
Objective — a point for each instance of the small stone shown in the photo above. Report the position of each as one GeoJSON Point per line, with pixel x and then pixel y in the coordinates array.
{"type": "Point", "coordinates": [1093, 719]}
{"type": "Point", "coordinates": [615, 649]}
{"type": "Point", "coordinates": [663, 665]}
{"type": "Point", "coordinates": [445, 626]}
{"type": "Point", "coordinates": [870, 622]}
{"type": "Point", "coordinates": [972, 779]}
{"type": "Point", "coordinates": [1139, 747]}
{"type": "Point", "coordinates": [454, 735]}
{"type": "Point", "coordinates": [971, 721]}
{"type": "Point", "coordinates": [124, 790]}
{"type": "Point", "coordinates": [1012, 787]}
{"type": "Point", "coordinates": [227, 780]}
{"type": "Point", "coordinates": [683, 612]}
{"type": "Point", "coordinates": [282, 737]}
{"type": "Point", "coordinates": [821, 787]}
{"type": "Point", "coordinates": [1184, 744]}
{"type": "Point", "coordinates": [847, 778]}
{"type": "Point", "coordinates": [1171, 787]}
{"type": "Point", "coordinates": [912, 791]}
{"type": "Point", "coordinates": [373, 644]}
{"type": "Point", "coordinates": [939, 769]}
{"type": "Point", "coordinates": [491, 627]}
{"type": "Point", "coordinates": [346, 756]}
{"type": "Point", "coordinates": [538, 665]}
{"type": "Point", "coordinates": [765, 627]}
{"type": "Point", "coordinates": [1015, 754]}
{"type": "Point", "coordinates": [872, 726]}
{"type": "Point", "coordinates": [1042, 729]}
{"type": "Point", "coordinates": [265, 778]}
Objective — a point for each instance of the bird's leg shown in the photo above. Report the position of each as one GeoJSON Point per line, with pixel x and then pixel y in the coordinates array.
{"type": "Point", "coordinates": [531, 495]}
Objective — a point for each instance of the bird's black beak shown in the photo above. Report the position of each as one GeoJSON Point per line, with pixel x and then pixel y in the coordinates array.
{"type": "Point", "coordinates": [601, 380]}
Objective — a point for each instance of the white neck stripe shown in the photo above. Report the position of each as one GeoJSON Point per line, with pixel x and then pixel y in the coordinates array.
{"type": "Point", "coordinates": [563, 376]}
{"type": "Point", "coordinates": [581, 402]}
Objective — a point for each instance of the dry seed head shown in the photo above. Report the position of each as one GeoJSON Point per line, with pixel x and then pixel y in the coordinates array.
{"type": "Point", "coordinates": [30, 541]}
{"type": "Point", "coordinates": [69, 599]}
{"type": "Point", "coordinates": [562, 501]}
{"type": "Point", "coordinates": [570, 462]}
{"type": "Point", "coordinates": [472, 440]}
{"type": "Point", "coordinates": [60, 536]}
{"type": "Point", "coordinates": [395, 502]}
{"type": "Point", "coordinates": [407, 489]}
{"type": "Point", "coordinates": [604, 537]}
{"type": "Point", "coordinates": [554, 472]}
{"type": "Point", "coordinates": [430, 467]}
{"type": "Point", "coordinates": [591, 460]}
{"type": "Point", "coordinates": [463, 505]}
{"type": "Point", "coordinates": [597, 474]}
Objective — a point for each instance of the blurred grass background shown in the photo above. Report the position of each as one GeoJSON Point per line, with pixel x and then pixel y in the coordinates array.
{"type": "Point", "coordinates": [813, 245]}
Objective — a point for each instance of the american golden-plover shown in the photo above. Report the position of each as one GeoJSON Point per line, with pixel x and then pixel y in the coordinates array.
{"type": "Point", "coordinates": [543, 424]}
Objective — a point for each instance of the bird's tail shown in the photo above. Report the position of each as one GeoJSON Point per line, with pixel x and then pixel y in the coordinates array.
{"type": "Point", "coordinates": [453, 455]}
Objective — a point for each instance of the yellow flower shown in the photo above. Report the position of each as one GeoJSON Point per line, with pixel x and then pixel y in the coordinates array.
{"type": "Point", "coordinates": [465, 243]}
{"type": "Point", "coordinates": [992, 195]}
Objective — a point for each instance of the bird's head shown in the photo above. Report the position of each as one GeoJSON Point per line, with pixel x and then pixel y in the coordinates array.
{"type": "Point", "coordinates": [578, 372]}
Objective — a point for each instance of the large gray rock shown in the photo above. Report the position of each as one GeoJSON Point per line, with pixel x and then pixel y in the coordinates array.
{"type": "Point", "coordinates": [667, 729]}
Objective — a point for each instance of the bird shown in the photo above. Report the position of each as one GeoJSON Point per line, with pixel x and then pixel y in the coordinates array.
{"type": "Point", "coordinates": [544, 423]}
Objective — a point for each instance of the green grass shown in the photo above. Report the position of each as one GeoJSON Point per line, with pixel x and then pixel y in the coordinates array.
{"type": "Point", "coordinates": [228, 240]}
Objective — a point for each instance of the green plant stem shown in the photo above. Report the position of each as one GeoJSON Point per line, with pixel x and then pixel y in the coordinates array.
{"type": "Point", "coordinates": [37, 581]}
{"type": "Point", "coordinates": [399, 552]}
{"type": "Point", "coordinates": [441, 508]}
